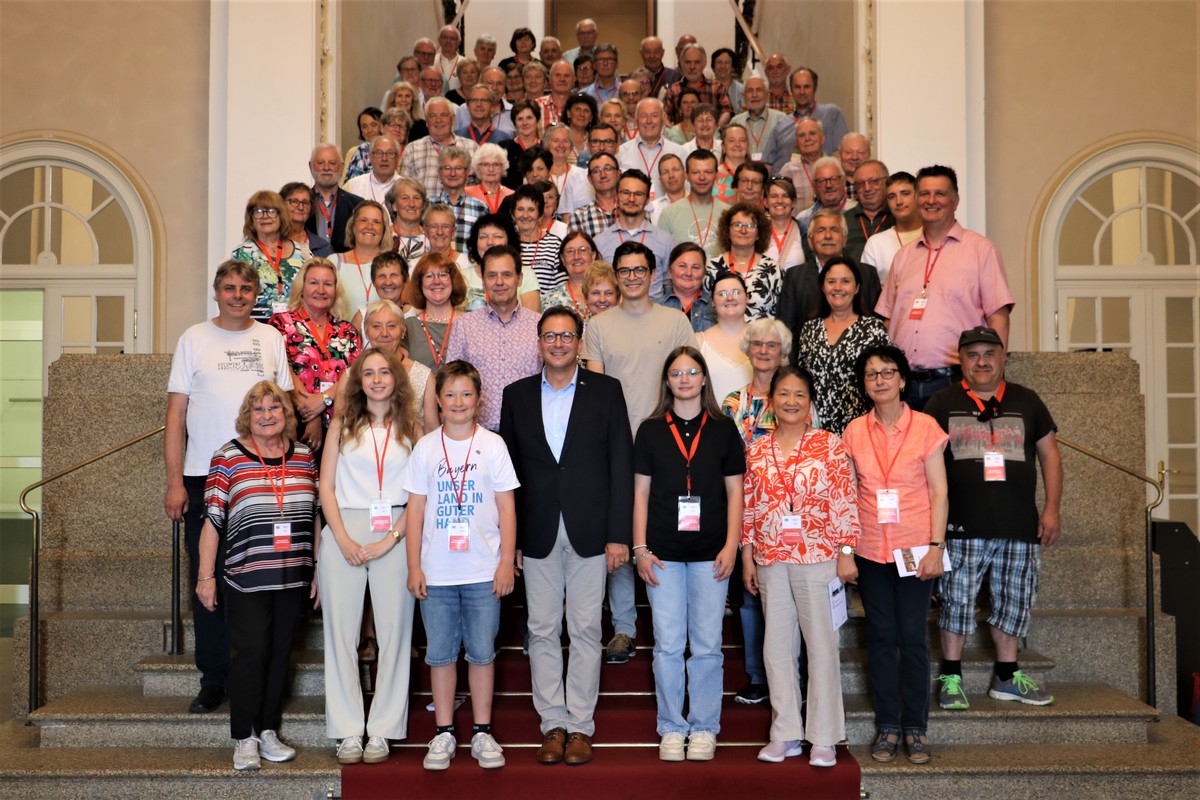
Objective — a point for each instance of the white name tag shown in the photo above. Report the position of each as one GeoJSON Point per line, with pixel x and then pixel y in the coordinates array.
{"type": "Point", "coordinates": [460, 536]}
{"type": "Point", "coordinates": [689, 513]}
{"type": "Point", "coordinates": [279, 307]}
{"type": "Point", "coordinates": [283, 535]}
{"type": "Point", "coordinates": [887, 503]}
{"type": "Point", "coordinates": [918, 307]}
{"type": "Point", "coordinates": [993, 465]}
{"type": "Point", "coordinates": [792, 530]}
{"type": "Point", "coordinates": [381, 516]}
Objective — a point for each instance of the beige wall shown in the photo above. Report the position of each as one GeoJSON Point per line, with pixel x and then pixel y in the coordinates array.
{"type": "Point", "coordinates": [1062, 78]}
{"type": "Point", "coordinates": [818, 34]}
{"type": "Point", "coordinates": [131, 80]}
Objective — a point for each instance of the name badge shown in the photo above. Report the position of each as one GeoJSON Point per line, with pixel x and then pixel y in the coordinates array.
{"type": "Point", "coordinates": [283, 536]}
{"type": "Point", "coordinates": [689, 513]}
{"type": "Point", "coordinates": [460, 536]}
{"type": "Point", "coordinates": [792, 530]}
{"type": "Point", "coordinates": [325, 386]}
{"type": "Point", "coordinates": [993, 465]}
{"type": "Point", "coordinates": [279, 307]}
{"type": "Point", "coordinates": [381, 516]}
{"type": "Point", "coordinates": [918, 308]}
{"type": "Point", "coordinates": [756, 156]}
{"type": "Point", "coordinates": [887, 503]}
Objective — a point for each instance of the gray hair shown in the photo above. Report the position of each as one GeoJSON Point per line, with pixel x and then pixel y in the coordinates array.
{"type": "Point", "coordinates": [768, 326]}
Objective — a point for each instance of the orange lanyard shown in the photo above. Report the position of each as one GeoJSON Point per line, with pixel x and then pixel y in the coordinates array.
{"type": "Point", "coordinates": [459, 486]}
{"type": "Point", "coordinates": [437, 355]}
{"type": "Point", "coordinates": [789, 487]}
{"type": "Point", "coordinates": [875, 227]}
{"type": "Point", "coordinates": [780, 241]}
{"type": "Point", "coordinates": [381, 457]}
{"type": "Point", "coordinates": [687, 454]}
{"type": "Point", "coordinates": [483, 137]}
{"type": "Point", "coordinates": [733, 267]}
{"type": "Point", "coordinates": [492, 207]}
{"type": "Point", "coordinates": [278, 257]}
{"type": "Point", "coordinates": [878, 461]}
{"type": "Point", "coordinates": [621, 236]}
{"type": "Point", "coordinates": [279, 493]}
{"type": "Point", "coordinates": [708, 228]}
{"type": "Point", "coordinates": [362, 278]}
{"type": "Point", "coordinates": [929, 267]}
{"type": "Point", "coordinates": [320, 335]}
{"type": "Point", "coordinates": [571, 293]}
{"type": "Point", "coordinates": [762, 131]}
{"type": "Point", "coordinates": [650, 166]}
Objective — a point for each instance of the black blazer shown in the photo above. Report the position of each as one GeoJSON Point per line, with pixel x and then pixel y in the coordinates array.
{"type": "Point", "coordinates": [591, 486]}
{"type": "Point", "coordinates": [800, 297]}
{"type": "Point", "coordinates": [342, 210]}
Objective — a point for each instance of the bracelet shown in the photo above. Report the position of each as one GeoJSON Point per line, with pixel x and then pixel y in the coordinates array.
{"type": "Point", "coordinates": [646, 554]}
{"type": "Point", "coordinates": [209, 578]}
{"type": "Point", "coordinates": [637, 547]}
{"type": "Point", "coordinates": [396, 534]}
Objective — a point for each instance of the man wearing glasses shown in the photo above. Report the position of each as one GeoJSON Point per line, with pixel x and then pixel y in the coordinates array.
{"type": "Point", "coordinates": [568, 434]}
{"type": "Point", "coordinates": [374, 185]}
{"type": "Point", "coordinates": [829, 185]}
{"type": "Point", "coordinates": [452, 169]}
{"type": "Point", "coordinates": [631, 225]}
{"type": "Point", "coordinates": [630, 342]}
{"type": "Point", "coordinates": [871, 215]}
{"type": "Point", "coordinates": [602, 138]}
{"type": "Point", "coordinates": [605, 87]}
{"type": "Point", "coordinates": [596, 216]}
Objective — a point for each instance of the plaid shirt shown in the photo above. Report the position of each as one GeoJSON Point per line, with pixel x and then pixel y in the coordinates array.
{"type": "Point", "coordinates": [709, 92]}
{"type": "Point", "coordinates": [420, 161]}
{"type": "Point", "coordinates": [466, 211]}
{"type": "Point", "coordinates": [782, 102]}
{"type": "Point", "coordinates": [550, 114]}
{"type": "Point", "coordinates": [591, 219]}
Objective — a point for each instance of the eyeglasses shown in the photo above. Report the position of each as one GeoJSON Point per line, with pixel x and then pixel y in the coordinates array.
{"type": "Point", "coordinates": [604, 60]}
{"type": "Point", "coordinates": [757, 345]}
{"type": "Point", "coordinates": [430, 277]}
{"type": "Point", "coordinates": [639, 272]}
{"type": "Point", "coordinates": [566, 337]}
{"type": "Point", "coordinates": [491, 165]}
{"type": "Point", "coordinates": [725, 294]}
{"type": "Point", "coordinates": [299, 202]}
{"type": "Point", "coordinates": [607, 168]}
{"type": "Point", "coordinates": [868, 182]}
{"type": "Point", "coordinates": [385, 153]}
{"type": "Point", "coordinates": [828, 181]}
{"type": "Point", "coordinates": [630, 193]}
{"type": "Point", "coordinates": [744, 226]}
{"type": "Point", "coordinates": [266, 212]}
{"type": "Point", "coordinates": [887, 374]}
{"type": "Point", "coordinates": [595, 143]}
{"type": "Point", "coordinates": [676, 374]}
{"type": "Point", "coordinates": [578, 251]}
{"type": "Point", "coordinates": [452, 168]}
{"type": "Point", "coordinates": [439, 228]}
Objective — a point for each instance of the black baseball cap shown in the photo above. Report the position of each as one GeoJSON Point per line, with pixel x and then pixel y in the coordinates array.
{"type": "Point", "coordinates": [980, 333]}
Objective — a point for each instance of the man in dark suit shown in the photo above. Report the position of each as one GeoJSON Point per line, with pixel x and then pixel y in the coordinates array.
{"type": "Point", "coordinates": [567, 431]}
{"type": "Point", "coordinates": [334, 206]}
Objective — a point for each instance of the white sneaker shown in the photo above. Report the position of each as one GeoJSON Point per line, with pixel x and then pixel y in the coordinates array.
{"type": "Point", "coordinates": [670, 747]}
{"type": "Point", "coordinates": [777, 751]}
{"type": "Point", "coordinates": [350, 750]}
{"type": "Point", "coordinates": [272, 749]}
{"type": "Point", "coordinates": [822, 755]}
{"type": "Point", "coordinates": [376, 751]}
{"type": "Point", "coordinates": [485, 750]}
{"type": "Point", "coordinates": [441, 750]}
{"type": "Point", "coordinates": [701, 746]}
{"type": "Point", "coordinates": [245, 754]}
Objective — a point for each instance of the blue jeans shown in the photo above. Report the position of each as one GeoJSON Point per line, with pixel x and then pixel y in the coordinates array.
{"type": "Point", "coordinates": [456, 615]}
{"type": "Point", "coordinates": [897, 611]}
{"type": "Point", "coordinates": [752, 636]}
{"type": "Point", "coordinates": [688, 610]}
{"type": "Point", "coordinates": [621, 601]}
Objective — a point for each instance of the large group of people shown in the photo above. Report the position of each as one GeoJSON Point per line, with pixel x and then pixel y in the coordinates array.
{"type": "Point", "coordinates": [552, 325]}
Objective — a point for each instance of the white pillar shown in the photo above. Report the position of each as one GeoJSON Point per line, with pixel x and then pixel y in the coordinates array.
{"type": "Point", "coordinates": [930, 93]}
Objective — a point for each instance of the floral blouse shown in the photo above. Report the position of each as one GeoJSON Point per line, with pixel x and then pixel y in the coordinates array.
{"type": "Point", "coordinates": [832, 366]}
{"type": "Point", "coordinates": [317, 368]}
{"type": "Point", "coordinates": [752, 414]}
{"type": "Point", "coordinates": [764, 282]}
{"type": "Point", "coordinates": [813, 482]}
{"type": "Point", "coordinates": [273, 289]}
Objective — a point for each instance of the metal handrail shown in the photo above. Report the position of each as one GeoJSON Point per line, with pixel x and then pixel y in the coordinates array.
{"type": "Point", "coordinates": [1159, 487]}
{"type": "Point", "coordinates": [34, 621]}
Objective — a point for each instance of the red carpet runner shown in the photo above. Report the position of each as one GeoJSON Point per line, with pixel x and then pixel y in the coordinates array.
{"type": "Point", "coordinates": [626, 761]}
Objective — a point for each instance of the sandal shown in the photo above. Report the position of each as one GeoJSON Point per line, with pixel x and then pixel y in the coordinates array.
{"type": "Point", "coordinates": [884, 748]}
{"type": "Point", "coordinates": [917, 747]}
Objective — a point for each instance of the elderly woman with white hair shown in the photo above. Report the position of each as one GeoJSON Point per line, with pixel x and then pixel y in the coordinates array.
{"type": "Point", "coordinates": [488, 165]}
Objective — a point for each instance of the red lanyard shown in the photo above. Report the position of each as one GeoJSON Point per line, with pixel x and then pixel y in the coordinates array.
{"type": "Point", "coordinates": [630, 134]}
{"type": "Point", "coordinates": [808, 174]}
{"type": "Point", "coordinates": [483, 137]}
{"type": "Point", "coordinates": [380, 458]}
{"type": "Point", "coordinates": [362, 279]}
{"type": "Point", "coordinates": [929, 267]}
{"type": "Point", "coordinates": [460, 486]}
{"type": "Point", "coordinates": [874, 227]}
{"type": "Point", "coordinates": [982, 404]}
{"type": "Point", "coordinates": [328, 216]}
{"type": "Point", "coordinates": [320, 335]}
{"type": "Point", "coordinates": [494, 208]}
{"type": "Point", "coordinates": [278, 257]}
{"type": "Point", "coordinates": [279, 493]}
{"type": "Point", "coordinates": [878, 461]}
{"type": "Point", "coordinates": [687, 454]}
{"type": "Point", "coordinates": [621, 235]}
{"type": "Point", "coordinates": [687, 310]}
{"type": "Point", "coordinates": [708, 228]}
{"type": "Point", "coordinates": [561, 187]}
{"type": "Point", "coordinates": [571, 293]}
{"type": "Point", "coordinates": [762, 131]}
{"type": "Point", "coordinates": [789, 486]}
{"type": "Point", "coordinates": [437, 356]}
{"type": "Point", "coordinates": [780, 241]}
{"type": "Point", "coordinates": [750, 421]}
{"type": "Point", "coordinates": [733, 267]}
{"type": "Point", "coordinates": [650, 166]}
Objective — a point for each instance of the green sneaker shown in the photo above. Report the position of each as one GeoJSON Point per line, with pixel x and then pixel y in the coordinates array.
{"type": "Point", "coordinates": [951, 696]}
{"type": "Point", "coordinates": [1021, 688]}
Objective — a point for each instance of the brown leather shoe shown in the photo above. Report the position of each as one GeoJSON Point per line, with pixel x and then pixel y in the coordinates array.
{"type": "Point", "coordinates": [579, 749]}
{"type": "Point", "coordinates": [551, 751]}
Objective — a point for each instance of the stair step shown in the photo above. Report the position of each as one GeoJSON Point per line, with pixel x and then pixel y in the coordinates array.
{"type": "Point", "coordinates": [120, 716]}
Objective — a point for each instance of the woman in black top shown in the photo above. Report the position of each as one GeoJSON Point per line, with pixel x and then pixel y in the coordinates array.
{"type": "Point", "coordinates": [687, 517]}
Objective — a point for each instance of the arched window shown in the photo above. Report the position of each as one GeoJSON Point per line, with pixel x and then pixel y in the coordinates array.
{"type": "Point", "coordinates": [1120, 272]}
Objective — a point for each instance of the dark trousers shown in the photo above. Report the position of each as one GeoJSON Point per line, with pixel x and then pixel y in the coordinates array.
{"type": "Point", "coordinates": [897, 612]}
{"type": "Point", "coordinates": [212, 638]}
{"type": "Point", "coordinates": [262, 626]}
{"type": "Point", "coordinates": [918, 390]}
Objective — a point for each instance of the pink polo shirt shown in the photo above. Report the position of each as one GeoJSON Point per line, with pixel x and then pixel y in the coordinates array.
{"type": "Point", "coordinates": [910, 443]}
{"type": "Point", "coordinates": [966, 285]}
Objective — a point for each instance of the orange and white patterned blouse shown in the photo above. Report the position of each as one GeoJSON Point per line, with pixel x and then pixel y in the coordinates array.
{"type": "Point", "coordinates": [815, 482]}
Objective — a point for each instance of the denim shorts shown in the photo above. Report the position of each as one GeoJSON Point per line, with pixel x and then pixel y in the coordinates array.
{"type": "Point", "coordinates": [456, 615]}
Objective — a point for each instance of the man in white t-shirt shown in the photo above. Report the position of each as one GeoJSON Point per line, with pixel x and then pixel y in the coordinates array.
{"type": "Point", "coordinates": [900, 192]}
{"type": "Point", "coordinates": [630, 342]}
{"type": "Point", "coordinates": [216, 363]}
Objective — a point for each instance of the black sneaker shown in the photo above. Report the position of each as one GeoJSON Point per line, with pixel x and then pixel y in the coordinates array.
{"type": "Point", "coordinates": [208, 700]}
{"type": "Point", "coordinates": [619, 650]}
{"type": "Point", "coordinates": [752, 695]}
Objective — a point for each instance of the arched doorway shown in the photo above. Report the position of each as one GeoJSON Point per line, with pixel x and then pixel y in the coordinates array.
{"type": "Point", "coordinates": [1119, 248]}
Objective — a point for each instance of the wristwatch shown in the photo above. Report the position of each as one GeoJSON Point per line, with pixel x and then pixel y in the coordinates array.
{"type": "Point", "coordinates": [938, 545]}
{"type": "Point", "coordinates": [328, 400]}
{"type": "Point", "coordinates": [847, 550]}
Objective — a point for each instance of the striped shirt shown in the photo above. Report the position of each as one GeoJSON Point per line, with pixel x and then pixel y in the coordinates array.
{"type": "Point", "coordinates": [543, 257]}
{"type": "Point", "coordinates": [241, 503]}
